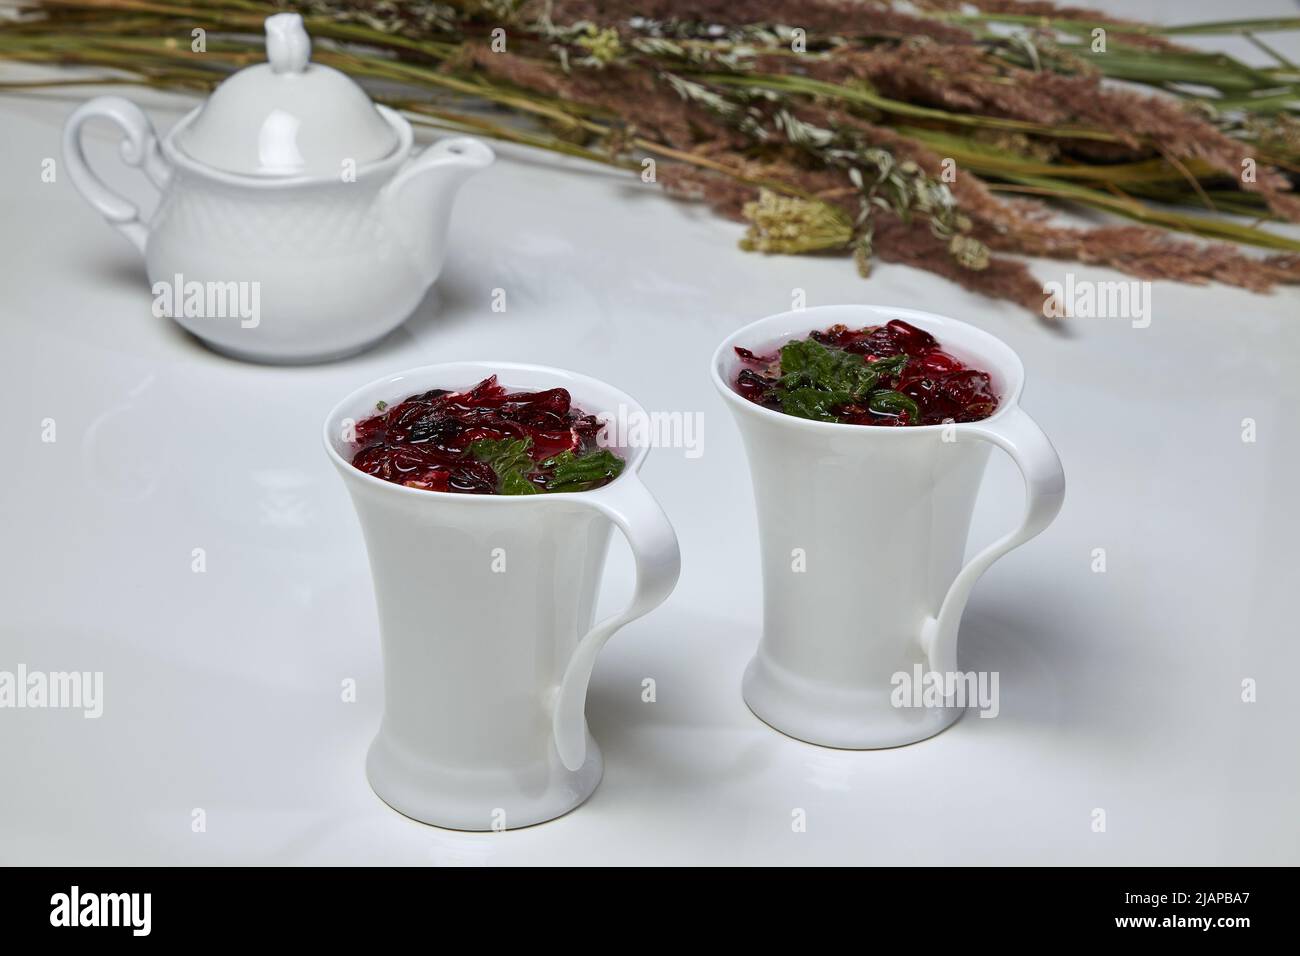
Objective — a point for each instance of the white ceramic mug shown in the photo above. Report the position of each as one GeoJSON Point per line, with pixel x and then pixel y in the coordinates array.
{"type": "Point", "coordinates": [880, 517]}
{"type": "Point", "coordinates": [485, 611]}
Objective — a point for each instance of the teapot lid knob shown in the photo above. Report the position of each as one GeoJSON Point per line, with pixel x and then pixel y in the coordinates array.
{"type": "Point", "coordinates": [287, 45]}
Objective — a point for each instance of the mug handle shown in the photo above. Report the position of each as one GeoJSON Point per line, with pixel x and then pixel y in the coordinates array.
{"type": "Point", "coordinates": [1020, 437]}
{"type": "Point", "coordinates": [139, 148]}
{"type": "Point", "coordinates": [629, 504]}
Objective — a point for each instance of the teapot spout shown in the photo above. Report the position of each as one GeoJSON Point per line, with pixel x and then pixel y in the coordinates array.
{"type": "Point", "coordinates": [417, 202]}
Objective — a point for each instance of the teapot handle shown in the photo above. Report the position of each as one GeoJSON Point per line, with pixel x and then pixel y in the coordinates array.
{"type": "Point", "coordinates": [629, 504]}
{"type": "Point", "coordinates": [1020, 437]}
{"type": "Point", "coordinates": [139, 148]}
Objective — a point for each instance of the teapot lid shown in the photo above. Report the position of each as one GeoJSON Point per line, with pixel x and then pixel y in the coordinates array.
{"type": "Point", "coordinates": [288, 116]}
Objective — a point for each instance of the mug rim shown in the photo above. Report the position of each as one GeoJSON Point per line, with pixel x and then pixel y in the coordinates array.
{"type": "Point", "coordinates": [633, 457]}
{"type": "Point", "coordinates": [1013, 369]}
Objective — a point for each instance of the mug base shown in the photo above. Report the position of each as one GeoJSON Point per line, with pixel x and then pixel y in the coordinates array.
{"type": "Point", "coordinates": [479, 800]}
{"type": "Point", "coordinates": [834, 717]}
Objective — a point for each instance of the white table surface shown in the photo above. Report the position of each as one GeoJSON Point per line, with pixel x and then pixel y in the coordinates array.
{"type": "Point", "coordinates": [1119, 690]}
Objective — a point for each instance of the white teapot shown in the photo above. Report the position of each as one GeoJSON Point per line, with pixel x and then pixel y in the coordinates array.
{"type": "Point", "coordinates": [294, 225]}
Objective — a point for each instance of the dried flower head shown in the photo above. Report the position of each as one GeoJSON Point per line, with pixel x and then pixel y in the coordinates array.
{"type": "Point", "coordinates": [785, 224]}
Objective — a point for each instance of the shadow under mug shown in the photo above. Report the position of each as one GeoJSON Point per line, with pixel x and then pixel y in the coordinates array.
{"type": "Point", "coordinates": [486, 607]}
{"type": "Point", "coordinates": [862, 535]}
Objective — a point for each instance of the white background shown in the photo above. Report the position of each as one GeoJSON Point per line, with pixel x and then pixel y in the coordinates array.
{"type": "Point", "coordinates": [1119, 691]}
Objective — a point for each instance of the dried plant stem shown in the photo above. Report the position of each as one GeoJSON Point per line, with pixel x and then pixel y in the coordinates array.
{"type": "Point", "coordinates": [836, 147]}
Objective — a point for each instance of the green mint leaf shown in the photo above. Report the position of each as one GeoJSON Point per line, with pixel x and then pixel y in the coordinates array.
{"type": "Point", "coordinates": [812, 403]}
{"type": "Point", "coordinates": [509, 458]}
{"type": "Point", "coordinates": [380, 405]}
{"type": "Point", "coordinates": [570, 472]}
{"type": "Point", "coordinates": [514, 483]}
{"type": "Point", "coordinates": [887, 402]}
{"type": "Point", "coordinates": [889, 367]}
{"type": "Point", "coordinates": [504, 453]}
{"type": "Point", "coordinates": [809, 364]}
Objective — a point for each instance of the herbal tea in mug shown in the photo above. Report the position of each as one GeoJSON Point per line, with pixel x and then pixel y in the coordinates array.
{"type": "Point", "coordinates": [486, 440]}
{"type": "Point", "coordinates": [892, 374]}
